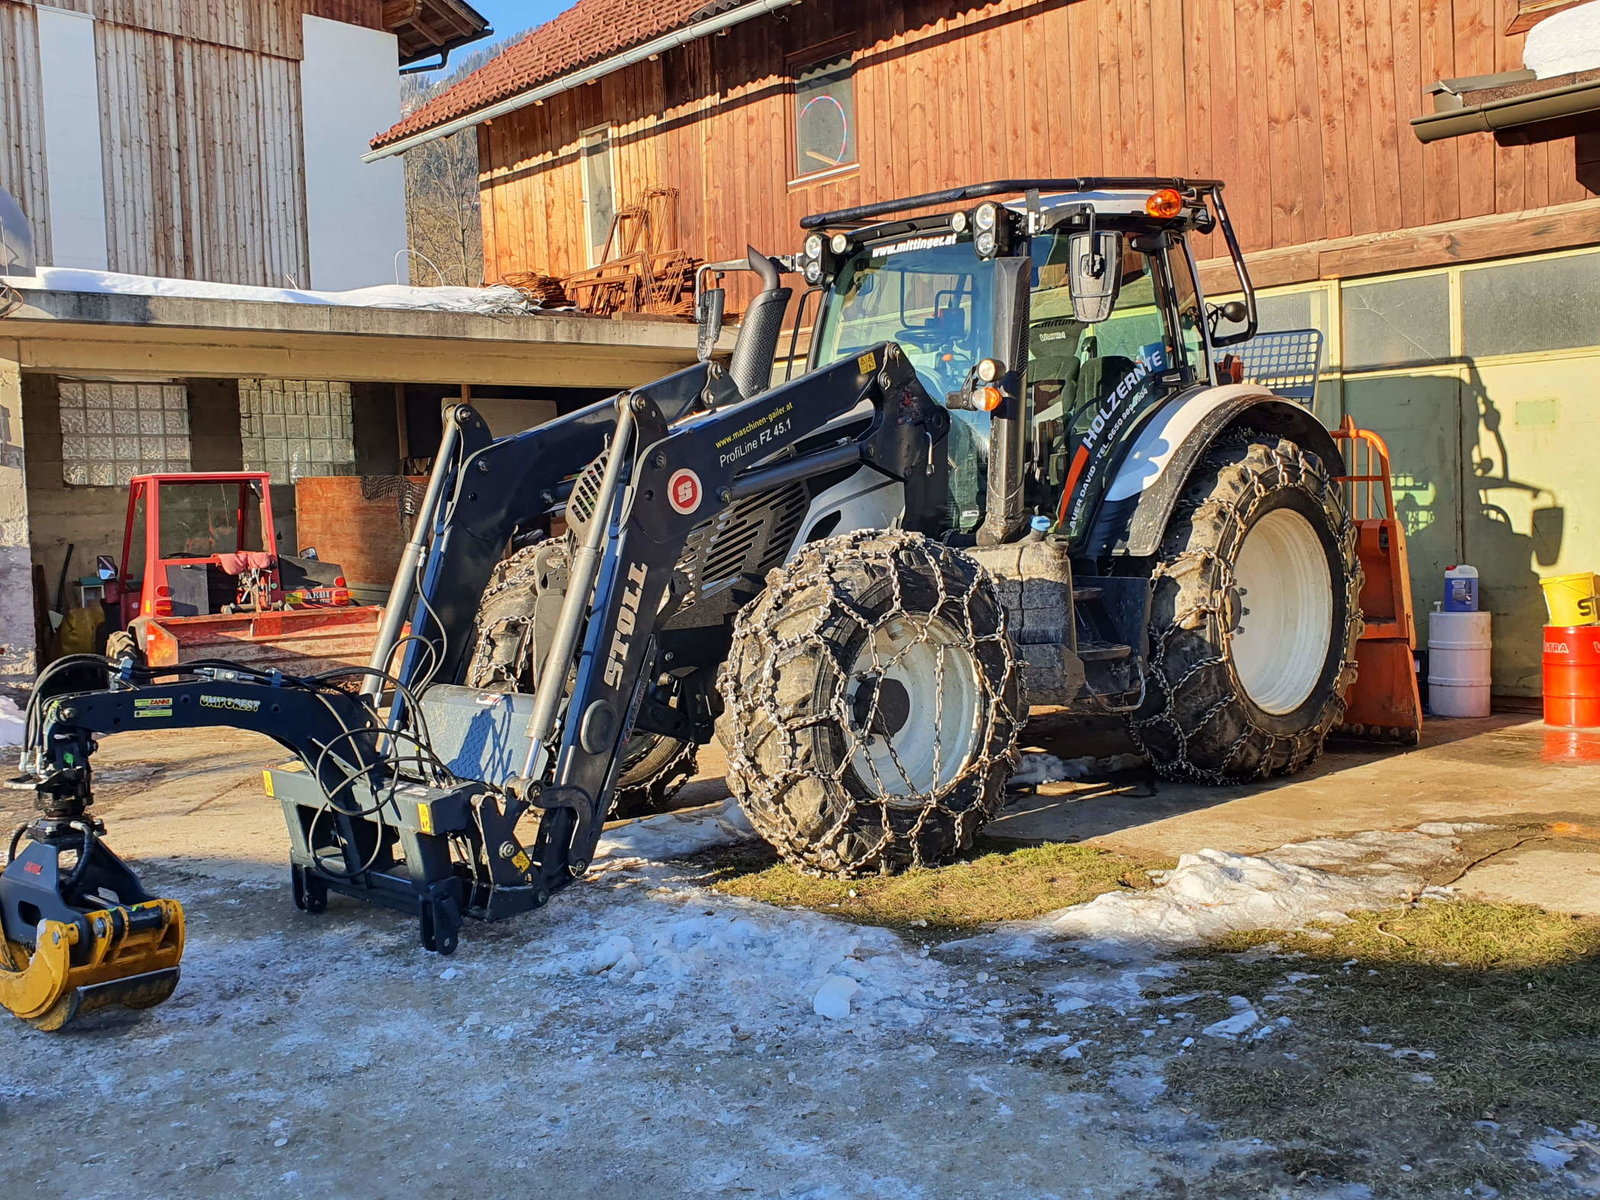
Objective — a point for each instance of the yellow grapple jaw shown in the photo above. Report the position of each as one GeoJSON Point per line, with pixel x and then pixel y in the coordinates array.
{"type": "Point", "coordinates": [129, 957]}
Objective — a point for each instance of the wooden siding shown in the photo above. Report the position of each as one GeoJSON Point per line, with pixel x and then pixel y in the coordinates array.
{"type": "Point", "coordinates": [261, 26]}
{"type": "Point", "coordinates": [203, 160]}
{"type": "Point", "coordinates": [22, 167]}
{"type": "Point", "coordinates": [1301, 105]}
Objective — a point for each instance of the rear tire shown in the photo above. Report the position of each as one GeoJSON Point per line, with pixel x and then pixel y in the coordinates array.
{"type": "Point", "coordinates": [874, 701]}
{"type": "Point", "coordinates": [1254, 617]}
{"type": "Point", "coordinates": [654, 766]}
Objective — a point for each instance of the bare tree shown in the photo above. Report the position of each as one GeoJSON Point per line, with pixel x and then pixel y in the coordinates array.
{"type": "Point", "coordinates": [443, 213]}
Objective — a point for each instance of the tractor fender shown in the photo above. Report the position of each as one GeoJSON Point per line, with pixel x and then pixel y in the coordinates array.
{"type": "Point", "coordinates": [1151, 474]}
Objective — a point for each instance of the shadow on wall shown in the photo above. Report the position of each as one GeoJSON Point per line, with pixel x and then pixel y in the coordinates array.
{"type": "Point", "coordinates": [1461, 498]}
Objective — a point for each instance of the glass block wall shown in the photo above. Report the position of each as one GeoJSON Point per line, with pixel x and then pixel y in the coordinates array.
{"type": "Point", "coordinates": [113, 431]}
{"type": "Point", "coordinates": [294, 428]}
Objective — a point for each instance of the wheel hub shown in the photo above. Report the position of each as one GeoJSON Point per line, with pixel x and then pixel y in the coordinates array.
{"type": "Point", "coordinates": [1282, 621]}
{"type": "Point", "coordinates": [882, 706]}
{"type": "Point", "coordinates": [921, 662]}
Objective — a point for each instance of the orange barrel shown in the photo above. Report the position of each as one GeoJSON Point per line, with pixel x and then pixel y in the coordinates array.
{"type": "Point", "coordinates": [1572, 676]}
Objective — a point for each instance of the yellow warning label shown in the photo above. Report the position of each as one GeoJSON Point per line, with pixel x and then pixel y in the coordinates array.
{"type": "Point", "coordinates": [425, 818]}
{"type": "Point", "coordinates": [522, 862]}
{"type": "Point", "coordinates": [868, 363]}
{"type": "Point", "coordinates": [266, 782]}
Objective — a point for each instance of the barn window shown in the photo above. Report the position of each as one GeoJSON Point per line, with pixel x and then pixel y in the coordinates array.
{"type": "Point", "coordinates": [824, 118]}
{"type": "Point", "coordinates": [599, 190]}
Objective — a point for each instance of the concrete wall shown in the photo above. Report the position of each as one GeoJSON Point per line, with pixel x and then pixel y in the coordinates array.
{"type": "Point", "coordinates": [16, 588]}
{"type": "Point", "coordinates": [355, 212]}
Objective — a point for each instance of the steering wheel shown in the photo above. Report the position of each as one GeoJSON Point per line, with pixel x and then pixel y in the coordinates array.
{"type": "Point", "coordinates": [925, 339]}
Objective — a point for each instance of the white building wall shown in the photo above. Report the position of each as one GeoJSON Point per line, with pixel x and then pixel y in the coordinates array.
{"type": "Point", "coordinates": [72, 138]}
{"type": "Point", "coordinates": [356, 212]}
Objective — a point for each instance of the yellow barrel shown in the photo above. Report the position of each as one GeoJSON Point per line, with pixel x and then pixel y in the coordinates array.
{"type": "Point", "coordinates": [1572, 599]}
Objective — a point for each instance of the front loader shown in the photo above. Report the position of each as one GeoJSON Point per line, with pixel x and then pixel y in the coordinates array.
{"type": "Point", "coordinates": [1017, 467]}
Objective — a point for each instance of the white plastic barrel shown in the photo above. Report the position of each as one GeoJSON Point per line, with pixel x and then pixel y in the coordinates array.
{"type": "Point", "coordinates": [1458, 663]}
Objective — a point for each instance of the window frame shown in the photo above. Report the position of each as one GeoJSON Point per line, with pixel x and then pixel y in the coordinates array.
{"type": "Point", "coordinates": [596, 248]}
{"type": "Point", "coordinates": [829, 60]}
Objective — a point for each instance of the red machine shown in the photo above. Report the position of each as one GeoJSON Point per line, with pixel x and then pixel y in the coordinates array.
{"type": "Point", "coordinates": [201, 575]}
{"type": "Point", "coordinates": [1385, 703]}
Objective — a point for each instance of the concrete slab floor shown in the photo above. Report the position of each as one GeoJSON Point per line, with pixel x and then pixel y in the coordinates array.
{"type": "Point", "coordinates": [1503, 770]}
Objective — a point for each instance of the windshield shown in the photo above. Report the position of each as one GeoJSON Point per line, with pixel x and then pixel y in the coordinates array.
{"type": "Point", "coordinates": [934, 296]}
{"type": "Point", "coordinates": [937, 302]}
{"type": "Point", "coordinates": [202, 519]}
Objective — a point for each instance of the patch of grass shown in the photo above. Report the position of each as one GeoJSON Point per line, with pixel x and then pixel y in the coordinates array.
{"type": "Point", "coordinates": [1438, 1038]}
{"type": "Point", "coordinates": [990, 885]}
{"type": "Point", "coordinates": [1476, 935]}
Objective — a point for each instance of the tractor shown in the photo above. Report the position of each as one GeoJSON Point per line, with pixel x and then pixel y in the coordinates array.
{"type": "Point", "coordinates": [1017, 466]}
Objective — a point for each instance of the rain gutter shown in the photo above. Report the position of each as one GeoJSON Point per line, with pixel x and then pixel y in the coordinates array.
{"type": "Point", "coordinates": [1508, 112]}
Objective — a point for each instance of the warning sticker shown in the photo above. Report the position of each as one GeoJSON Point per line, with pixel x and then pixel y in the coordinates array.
{"type": "Point", "coordinates": [152, 706]}
{"type": "Point", "coordinates": [684, 491]}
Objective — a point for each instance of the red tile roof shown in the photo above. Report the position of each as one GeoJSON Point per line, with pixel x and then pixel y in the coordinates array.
{"type": "Point", "coordinates": [587, 32]}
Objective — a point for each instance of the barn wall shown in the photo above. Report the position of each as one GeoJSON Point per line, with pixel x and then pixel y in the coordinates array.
{"type": "Point", "coordinates": [197, 147]}
{"type": "Point", "coordinates": [1301, 105]}
{"type": "Point", "coordinates": [22, 159]}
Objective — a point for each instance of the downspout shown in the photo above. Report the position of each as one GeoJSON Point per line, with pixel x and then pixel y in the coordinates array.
{"type": "Point", "coordinates": [668, 41]}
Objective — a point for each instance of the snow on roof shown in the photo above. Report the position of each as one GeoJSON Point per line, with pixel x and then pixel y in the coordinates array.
{"type": "Point", "coordinates": [499, 300]}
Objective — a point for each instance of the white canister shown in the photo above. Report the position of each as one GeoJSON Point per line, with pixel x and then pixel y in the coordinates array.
{"type": "Point", "coordinates": [1458, 663]}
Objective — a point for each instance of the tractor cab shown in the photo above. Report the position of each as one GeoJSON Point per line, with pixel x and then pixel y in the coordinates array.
{"type": "Point", "coordinates": [201, 569]}
{"type": "Point", "coordinates": [1050, 318]}
{"type": "Point", "coordinates": [197, 544]}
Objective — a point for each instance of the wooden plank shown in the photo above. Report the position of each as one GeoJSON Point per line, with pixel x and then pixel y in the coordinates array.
{"type": "Point", "coordinates": [1319, 36]}
{"type": "Point", "coordinates": [1473, 25]}
{"type": "Point", "coordinates": [1252, 170]}
{"type": "Point", "coordinates": [1283, 133]}
{"type": "Point", "coordinates": [1440, 160]}
{"type": "Point", "coordinates": [22, 158]}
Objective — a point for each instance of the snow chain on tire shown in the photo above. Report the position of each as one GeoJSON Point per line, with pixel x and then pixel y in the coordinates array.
{"type": "Point", "coordinates": [1196, 722]}
{"type": "Point", "coordinates": [654, 766]}
{"type": "Point", "coordinates": [802, 714]}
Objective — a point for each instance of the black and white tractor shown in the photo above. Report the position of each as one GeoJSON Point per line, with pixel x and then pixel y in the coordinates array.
{"type": "Point", "coordinates": [1107, 519]}
{"type": "Point", "coordinates": [1018, 467]}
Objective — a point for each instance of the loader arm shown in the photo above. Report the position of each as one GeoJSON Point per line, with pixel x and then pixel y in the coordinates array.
{"type": "Point", "coordinates": [680, 476]}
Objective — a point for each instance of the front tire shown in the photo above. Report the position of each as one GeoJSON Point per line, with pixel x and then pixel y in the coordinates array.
{"type": "Point", "coordinates": [874, 701]}
{"type": "Point", "coordinates": [654, 766]}
{"type": "Point", "coordinates": [1254, 617]}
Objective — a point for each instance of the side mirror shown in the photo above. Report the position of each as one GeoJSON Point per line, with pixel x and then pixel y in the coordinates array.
{"type": "Point", "coordinates": [1094, 274]}
{"type": "Point", "coordinates": [709, 312]}
{"type": "Point", "coordinates": [105, 567]}
{"type": "Point", "coordinates": [309, 552]}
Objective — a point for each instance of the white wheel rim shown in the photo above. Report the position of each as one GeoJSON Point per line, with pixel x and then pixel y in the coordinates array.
{"type": "Point", "coordinates": [938, 738]}
{"type": "Point", "coordinates": [1280, 644]}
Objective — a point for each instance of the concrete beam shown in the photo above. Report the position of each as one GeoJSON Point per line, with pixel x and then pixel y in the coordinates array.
{"type": "Point", "coordinates": [68, 332]}
{"type": "Point", "coordinates": [18, 653]}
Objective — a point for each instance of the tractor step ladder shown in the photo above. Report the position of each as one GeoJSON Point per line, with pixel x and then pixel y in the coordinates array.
{"type": "Point", "coordinates": [1384, 703]}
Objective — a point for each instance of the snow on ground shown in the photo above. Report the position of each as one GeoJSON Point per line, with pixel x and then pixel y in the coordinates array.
{"type": "Point", "coordinates": [645, 1035]}
{"type": "Point", "coordinates": [493, 300]}
{"type": "Point", "coordinates": [11, 725]}
{"type": "Point", "coordinates": [1215, 892]}
{"type": "Point", "coordinates": [1036, 768]}
{"type": "Point", "coordinates": [677, 834]}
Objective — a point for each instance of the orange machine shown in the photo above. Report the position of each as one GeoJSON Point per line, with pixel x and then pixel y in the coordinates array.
{"type": "Point", "coordinates": [202, 575]}
{"type": "Point", "coordinates": [1384, 703]}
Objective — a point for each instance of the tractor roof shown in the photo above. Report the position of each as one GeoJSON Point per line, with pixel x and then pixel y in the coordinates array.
{"type": "Point", "coordinates": [1112, 195]}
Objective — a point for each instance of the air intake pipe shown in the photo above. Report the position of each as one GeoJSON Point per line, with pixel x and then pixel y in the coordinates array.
{"type": "Point", "coordinates": [756, 351]}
